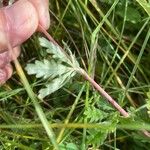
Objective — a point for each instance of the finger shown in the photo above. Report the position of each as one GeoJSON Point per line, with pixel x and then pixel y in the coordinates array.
{"type": "Point", "coordinates": [9, 71]}
{"type": "Point", "coordinates": [6, 57]}
{"type": "Point", "coordinates": [42, 7]}
{"type": "Point", "coordinates": [5, 73]}
{"type": "Point", "coordinates": [19, 21]}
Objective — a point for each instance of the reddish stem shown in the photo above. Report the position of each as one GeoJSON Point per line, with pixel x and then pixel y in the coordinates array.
{"type": "Point", "coordinates": [47, 34]}
{"type": "Point", "coordinates": [94, 84]}
{"type": "Point", "coordinates": [103, 93]}
{"type": "Point", "coordinates": [87, 77]}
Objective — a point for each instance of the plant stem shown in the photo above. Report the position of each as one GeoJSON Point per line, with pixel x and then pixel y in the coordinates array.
{"type": "Point", "coordinates": [26, 84]}
{"type": "Point", "coordinates": [87, 77]}
{"type": "Point", "coordinates": [94, 84]}
{"type": "Point", "coordinates": [34, 99]}
{"type": "Point", "coordinates": [60, 135]}
{"type": "Point", "coordinates": [134, 125]}
{"type": "Point", "coordinates": [102, 92]}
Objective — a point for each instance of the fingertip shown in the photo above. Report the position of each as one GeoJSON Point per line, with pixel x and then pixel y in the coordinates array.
{"type": "Point", "coordinates": [17, 23]}
{"type": "Point", "coordinates": [22, 20]}
{"type": "Point", "coordinates": [42, 7]}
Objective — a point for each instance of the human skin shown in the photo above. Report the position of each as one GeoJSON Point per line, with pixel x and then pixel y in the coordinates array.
{"type": "Point", "coordinates": [17, 23]}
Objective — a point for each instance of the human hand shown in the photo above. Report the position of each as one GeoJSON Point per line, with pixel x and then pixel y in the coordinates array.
{"type": "Point", "coordinates": [17, 23]}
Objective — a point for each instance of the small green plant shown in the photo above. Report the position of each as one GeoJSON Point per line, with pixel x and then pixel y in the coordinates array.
{"type": "Point", "coordinates": [56, 71]}
{"type": "Point", "coordinates": [60, 68]}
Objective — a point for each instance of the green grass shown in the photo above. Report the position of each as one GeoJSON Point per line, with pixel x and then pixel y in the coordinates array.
{"type": "Point", "coordinates": [110, 40]}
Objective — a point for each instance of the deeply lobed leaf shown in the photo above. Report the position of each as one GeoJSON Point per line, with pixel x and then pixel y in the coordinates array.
{"type": "Point", "coordinates": [47, 68]}
{"type": "Point", "coordinates": [55, 68]}
{"type": "Point", "coordinates": [55, 84]}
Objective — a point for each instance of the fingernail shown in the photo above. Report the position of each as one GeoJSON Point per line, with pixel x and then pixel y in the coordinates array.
{"type": "Point", "coordinates": [42, 8]}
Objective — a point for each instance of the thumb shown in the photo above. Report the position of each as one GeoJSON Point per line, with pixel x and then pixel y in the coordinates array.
{"type": "Point", "coordinates": [19, 21]}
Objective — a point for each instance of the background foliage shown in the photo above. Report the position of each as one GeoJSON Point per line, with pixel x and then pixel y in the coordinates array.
{"type": "Point", "coordinates": [110, 39]}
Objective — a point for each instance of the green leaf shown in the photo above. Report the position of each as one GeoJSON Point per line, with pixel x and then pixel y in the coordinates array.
{"type": "Point", "coordinates": [47, 69]}
{"type": "Point", "coordinates": [59, 73]}
{"type": "Point", "coordinates": [53, 49]}
{"type": "Point", "coordinates": [73, 62]}
{"type": "Point", "coordinates": [110, 2]}
{"type": "Point", "coordinates": [94, 114]}
{"type": "Point", "coordinates": [96, 136]}
{"type": "Point", "coordinates": [55, 84]}
{"type": "Point", "coordinates": [145, 5]}
{"type": "Point", "coordinates": [71, 146]}
{"type": "Point", "coordinates": [68, 146]}
{"type": "Point", "coordinates": [132, 14]}
{"type": "Point", "coordinates": [60, 68]}
{"type": "Point", "coordinates": [58, 53]}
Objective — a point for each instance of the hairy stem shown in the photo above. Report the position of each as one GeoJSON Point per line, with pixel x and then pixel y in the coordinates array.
{"type": "Point", "coordinates": [87, 77]}
{"type": "Point", "coordinates": [94, 84]}
{"type": "Point", "coordinates": [103, 92]}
